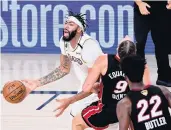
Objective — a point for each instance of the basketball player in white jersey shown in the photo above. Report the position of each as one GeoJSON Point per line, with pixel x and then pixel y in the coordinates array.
{"type": "Point", "coordinates": [78, 49]}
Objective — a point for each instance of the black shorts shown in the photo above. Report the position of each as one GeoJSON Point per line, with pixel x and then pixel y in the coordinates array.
{"type": "Point", "coordinates": [99, 116]}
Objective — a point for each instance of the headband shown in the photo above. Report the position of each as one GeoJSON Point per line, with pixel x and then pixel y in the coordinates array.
{"type": "Point", "coordinates": [75, 20]}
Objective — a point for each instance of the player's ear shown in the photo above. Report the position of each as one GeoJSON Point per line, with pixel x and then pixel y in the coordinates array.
{"type": "Point", "coordinates": [79, 30]}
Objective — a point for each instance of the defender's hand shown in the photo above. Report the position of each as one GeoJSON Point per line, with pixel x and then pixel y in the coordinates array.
{"type": "Point", "coordinates": [63, 104]}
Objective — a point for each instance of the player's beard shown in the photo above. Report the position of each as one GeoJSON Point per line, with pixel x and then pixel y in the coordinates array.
{"type": "Point", "coordinates": [71, 35]}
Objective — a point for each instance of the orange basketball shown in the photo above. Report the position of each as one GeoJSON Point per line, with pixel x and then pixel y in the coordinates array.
{"type": "Point", "coordinates": [14, 92]}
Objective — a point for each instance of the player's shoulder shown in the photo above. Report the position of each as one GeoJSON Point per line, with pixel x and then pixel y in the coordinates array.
{"type": "Point", "coordinates": [86, 36]}
{"type": "Point", "coordinates": [90, 45]}
{"type": "Point", "coordinates": [101, 61]}
{"type": "Point", "coordinates": [102, 58]}
{"type": "Point", "coordinates": [159, 90]}
{"type": "Point", "coordinates": [154, 88]}
{"type": "Point", "coordinates": [163, 89]}
{"type": "Point", "coordinates": [88, 40]}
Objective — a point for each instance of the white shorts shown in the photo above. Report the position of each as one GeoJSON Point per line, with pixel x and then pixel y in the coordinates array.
{"type": "Point", "coordinates": [78, 106]}
{"type": "Point", "coordinates": [114, 126]}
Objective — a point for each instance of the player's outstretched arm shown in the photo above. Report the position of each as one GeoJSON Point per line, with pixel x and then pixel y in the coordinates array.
{"type": "Point", "coordinates": [167, 94]}
{"type": "Point", "coordinates": [123, 110]}
{"type": "Point", "coordinates": [58, 73]}
{"type": "Point", "coordinates": [64, 103]}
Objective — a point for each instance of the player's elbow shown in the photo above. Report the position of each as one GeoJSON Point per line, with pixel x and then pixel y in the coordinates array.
{"type": "Point", "coordinates": [87, 88]}
{"type": "Point", "coordinates": [65, 70]}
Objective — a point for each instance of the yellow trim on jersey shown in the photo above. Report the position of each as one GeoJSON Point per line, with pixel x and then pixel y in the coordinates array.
{"type": "Point", "coordinates": [77, 44]}
{"type": "Point", "coordinates": [66, 48]}
{"type": "Point", "coordinates": [75, 48]}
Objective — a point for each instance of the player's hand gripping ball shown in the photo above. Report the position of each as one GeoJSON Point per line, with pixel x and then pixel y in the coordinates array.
{"type": "Point", "coordinates": [14, 92]}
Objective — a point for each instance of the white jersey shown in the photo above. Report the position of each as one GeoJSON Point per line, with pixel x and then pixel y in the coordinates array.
{"type": "Point", "coordinates": [82, 56]}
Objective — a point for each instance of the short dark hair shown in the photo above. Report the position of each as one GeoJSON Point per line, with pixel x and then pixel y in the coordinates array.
{"type": "Point", "coordinates": [126, 48]}
{"type": "Point", "coordinates": [80, 17]}
{"type": "Point", "coordinates": [133, 66]}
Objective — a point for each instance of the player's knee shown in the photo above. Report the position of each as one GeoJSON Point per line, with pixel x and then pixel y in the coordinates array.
{"type": "Point", "coordinates": [78, 121]}
{"type": "Point", "coordinates": [74, 120]}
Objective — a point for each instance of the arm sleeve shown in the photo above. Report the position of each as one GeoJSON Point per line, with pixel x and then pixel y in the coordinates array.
{"type": "Point", "coordinates": [62, 46]}
{"type": "Point", "coordinates": [91, 51]}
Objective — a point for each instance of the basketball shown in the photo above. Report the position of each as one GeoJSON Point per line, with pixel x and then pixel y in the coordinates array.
{"type": "Point", "coordinates": [14, 92]}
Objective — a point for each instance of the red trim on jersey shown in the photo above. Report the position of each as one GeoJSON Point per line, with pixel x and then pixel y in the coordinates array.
{"type": "Point", "coordinates": [139, 89]}
{"type": "Point", "coordinates": [92, 110]}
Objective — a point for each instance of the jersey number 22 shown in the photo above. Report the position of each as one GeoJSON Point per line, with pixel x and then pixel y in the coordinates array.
{"type": "Point", "coordinates": [143, 106]}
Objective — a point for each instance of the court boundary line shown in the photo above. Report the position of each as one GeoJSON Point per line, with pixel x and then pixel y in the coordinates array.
{"type": "Point", "coordinates": [47, 102]}
{"type": "Point", "coordinates": [55, 94]}
{"type": "Point", "coordinates": [52, 92]}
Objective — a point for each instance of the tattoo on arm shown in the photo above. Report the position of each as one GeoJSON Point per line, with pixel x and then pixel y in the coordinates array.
{"type": "Point", "coordinates": [58, 73]}
{"type": "Point", "coordinates": [65, 62]}
{"type": "Point", "coordinates": [53, 76]}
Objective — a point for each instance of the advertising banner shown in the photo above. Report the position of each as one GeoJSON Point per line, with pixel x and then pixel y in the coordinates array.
{"type": "Point", "coordinates": [29, 26]}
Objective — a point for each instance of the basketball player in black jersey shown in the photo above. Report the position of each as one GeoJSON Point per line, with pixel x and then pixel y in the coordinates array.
{"type": "Point", "coordinates": [111, 90]}
{"type": "Point", "coordinates": [147, 106]}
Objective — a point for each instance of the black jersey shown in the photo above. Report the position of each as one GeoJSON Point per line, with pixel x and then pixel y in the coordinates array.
{"type": "Point", "coordinates": [114, 86]}
{"type": "Point", "coordinates": [149, 109]}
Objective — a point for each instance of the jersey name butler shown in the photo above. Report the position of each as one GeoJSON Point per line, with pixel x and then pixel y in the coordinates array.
{"type": "Point", "coordinates": [155, 123]}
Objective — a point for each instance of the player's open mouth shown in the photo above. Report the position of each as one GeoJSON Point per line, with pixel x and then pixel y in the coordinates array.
{"type": "Point", "coordinates": [66, 31]}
